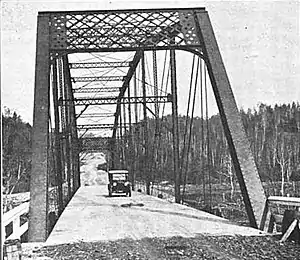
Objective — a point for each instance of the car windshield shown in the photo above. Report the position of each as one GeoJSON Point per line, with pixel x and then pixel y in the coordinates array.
{"type": "Point", "coordinates": [119, 176]}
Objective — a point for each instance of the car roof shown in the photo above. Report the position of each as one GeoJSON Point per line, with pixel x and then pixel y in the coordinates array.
{"type": "Point", "coordinates": [117, 171]}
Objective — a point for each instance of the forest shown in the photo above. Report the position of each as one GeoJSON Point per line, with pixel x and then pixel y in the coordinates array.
{"type": "Point", "coordinates": [273, 132]}
{"type": "Point", "coordinates": [274, 137]}
{"type": "Point", "coordinates": [16, 153]}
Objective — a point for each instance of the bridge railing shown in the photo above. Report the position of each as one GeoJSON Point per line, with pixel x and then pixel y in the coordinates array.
{"type": "Point", "coordinates": [155, 190]}
{"type": "Point", "coordinates": [13, 216]}
{"type": "Point", "coordinates": [277, 219]}
{"type": "Point", "coordinates": [287, 201]}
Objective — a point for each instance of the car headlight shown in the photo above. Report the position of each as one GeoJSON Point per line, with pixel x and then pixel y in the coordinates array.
{"type": "Point", "coordinates": [126, 183]}
{"type": "Point", "coordinates": [114, 184]}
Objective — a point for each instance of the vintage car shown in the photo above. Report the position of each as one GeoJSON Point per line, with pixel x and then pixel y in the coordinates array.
{"type": "Point", "coordinates": [119, 182]}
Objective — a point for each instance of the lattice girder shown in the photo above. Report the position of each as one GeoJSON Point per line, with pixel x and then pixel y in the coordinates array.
{"type": "Point", "coordinates": [123, 30]}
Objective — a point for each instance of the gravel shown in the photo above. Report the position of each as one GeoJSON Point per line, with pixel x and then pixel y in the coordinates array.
{"type": "Point", "coordinates": [201, 247]}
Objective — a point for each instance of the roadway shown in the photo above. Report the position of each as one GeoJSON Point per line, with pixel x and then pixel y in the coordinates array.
{"type": "Point", "coordinates": [93, 216]}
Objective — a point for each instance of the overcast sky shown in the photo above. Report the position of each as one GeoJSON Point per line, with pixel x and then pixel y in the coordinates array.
{"type": "Point", "coordinates": [259, 43]}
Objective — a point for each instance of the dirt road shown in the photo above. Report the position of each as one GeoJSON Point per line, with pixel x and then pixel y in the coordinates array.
{"type": "Point", "coordinates": [95, 226]}
{"type": "Point", "coordinates": [92, 216]}
{"type": "Point", "coordinates": [89, 174]}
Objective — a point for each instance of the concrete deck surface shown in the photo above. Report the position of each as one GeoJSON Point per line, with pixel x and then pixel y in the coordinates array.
{"type": "Point", "coordinates": [92, 216]}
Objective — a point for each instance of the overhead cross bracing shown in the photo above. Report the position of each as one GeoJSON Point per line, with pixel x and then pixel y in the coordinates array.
{"type": "Point", "coordinates": [96, 90]}
{"type": "Point", "coordinates": [116, 100]}
{"type": "Point", "coordinates": [95, 126]}
{"type": "Point", "coordinates": [159, 46]}
{"type": "Point", "coordinates": [98, 126]}
{"type": "Point", "coordinates": [95, 143]}
{"type": "Point", "coordinates": [90, 65]}
{"type": "Point", "coordinates": [95, 115]}
{"type": "Point", "coordinates": [100, 78]}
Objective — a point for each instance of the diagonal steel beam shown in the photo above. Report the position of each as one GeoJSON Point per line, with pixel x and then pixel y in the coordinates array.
{"type": "Point", "coordinates": [242, 157]}
{"type": "Point", "coordinates": [137, 57]}
{"type": "Point", "coordinates": [134, 64]}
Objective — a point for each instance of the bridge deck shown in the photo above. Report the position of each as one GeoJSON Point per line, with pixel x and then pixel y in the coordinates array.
{"type": "Point", "coordinates": [92, 216]}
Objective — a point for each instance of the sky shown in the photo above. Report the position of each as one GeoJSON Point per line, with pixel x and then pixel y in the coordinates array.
{"type": "Point", "coordinates": [259, 42]}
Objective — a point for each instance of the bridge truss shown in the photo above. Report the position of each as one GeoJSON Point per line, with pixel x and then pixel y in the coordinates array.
{"type": "Point", "coordinates": [63, 97]}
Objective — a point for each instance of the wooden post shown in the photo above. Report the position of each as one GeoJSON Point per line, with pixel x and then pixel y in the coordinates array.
{"type": "Point", "coordinates": [290, 226]}
{"type": "Point", "coordinates": [289, 231]}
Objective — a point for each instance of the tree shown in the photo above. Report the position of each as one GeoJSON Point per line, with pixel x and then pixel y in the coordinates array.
{"type": "Point", "coordinates": [16, 138]}
{"type": "Point", "coordinates": [273, 133]}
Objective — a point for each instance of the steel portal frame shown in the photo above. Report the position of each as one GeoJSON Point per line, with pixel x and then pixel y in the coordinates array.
{"type": "Point", "coordinates": [63, 33]}
{"type": "Point", "coordinates": [117, 30]}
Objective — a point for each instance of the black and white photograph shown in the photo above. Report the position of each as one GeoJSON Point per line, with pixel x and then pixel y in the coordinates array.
{"type": "Point", "coordinates": [150, 130]}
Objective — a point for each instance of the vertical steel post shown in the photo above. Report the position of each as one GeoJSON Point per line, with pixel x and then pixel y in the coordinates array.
{"type": "Point", "coordinates": [242, 157]}
{"type": "Point", "coordinates": [67, 129]}
{"type": "Point", "coordinates": [57, 138]}
{"type": "Point", "coordinates": [62, 119]}
{"type": "Point", "coordinates": [131, 148]}
{"type": "Point", "coordinates": [175, 125]}
{"type": "Point", "coordinates": [125, 136]}
{"type": "Point", "coordinates": [202, 135]}
{"type": "Point", "coordinates": [74, 148]}
{"type": "Point", "coordinates": [120, 143]}
{"type": "Point", "coordinates": [112, 149]}
{"type": "Point", "coordinates": [39, 177]}
{"type": "Point", "coordinates": [155, 85]}
{"type": "Point", "coordinates": [155, 150]}
{"type": "Point", "coordinates": [146, 144]}
{"type": "Point", "coordinates": [136, 130]}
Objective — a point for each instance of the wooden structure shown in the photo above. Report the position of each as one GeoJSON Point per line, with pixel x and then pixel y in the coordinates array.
{"type": "Point", "coordinates": [13, 216]}
{"type": "Point", "coordinates": [295, 223]}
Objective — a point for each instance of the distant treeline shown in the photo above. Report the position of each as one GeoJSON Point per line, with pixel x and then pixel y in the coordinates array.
{"type": "Point", "coordinates": [273, 132]}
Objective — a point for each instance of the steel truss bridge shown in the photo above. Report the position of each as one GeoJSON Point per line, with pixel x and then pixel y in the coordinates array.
{"type": "Point", "coordinates": [68, 92]}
